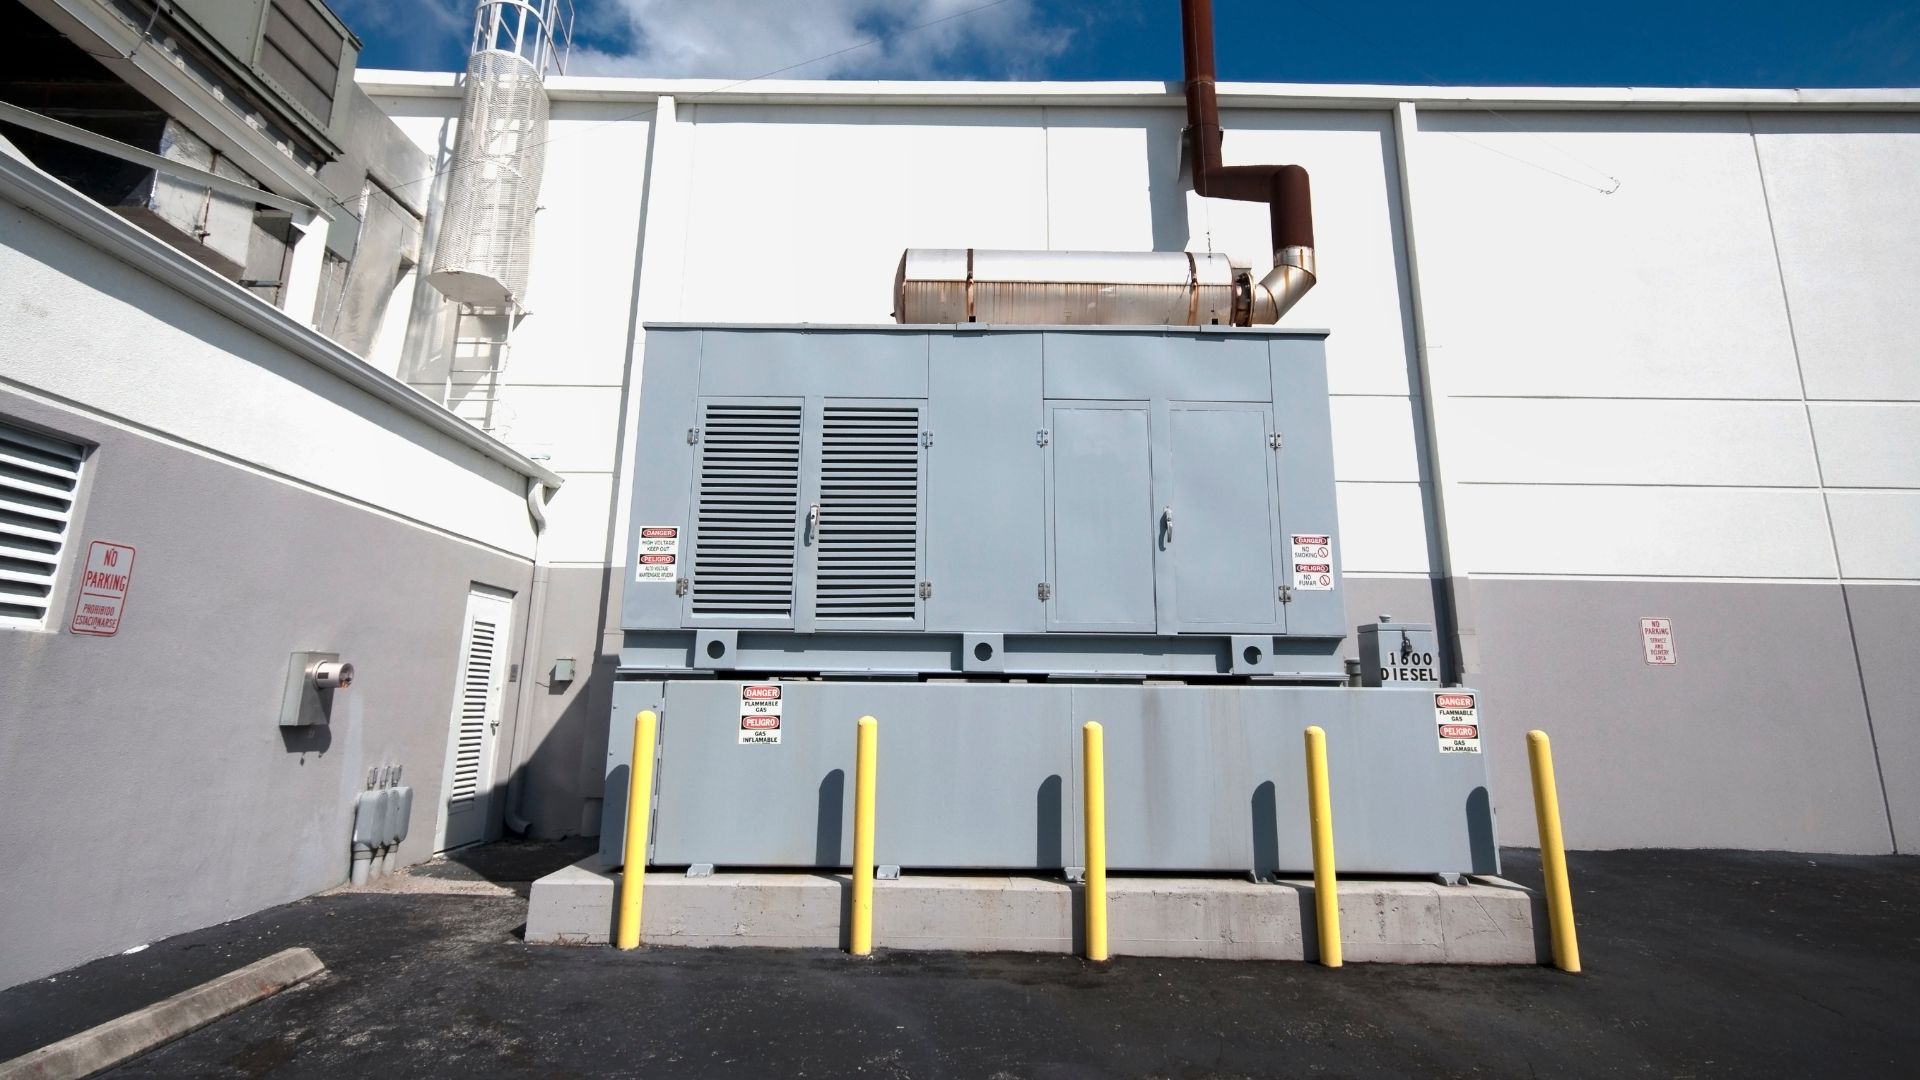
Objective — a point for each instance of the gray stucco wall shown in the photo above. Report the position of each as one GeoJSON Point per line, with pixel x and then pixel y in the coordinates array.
{"type": "Point", "coordinates": [147, 787]}
{"type": "Point", "coordinates": [1755, 738]}
{"type": "Point", "coordinates": [1886, 623]}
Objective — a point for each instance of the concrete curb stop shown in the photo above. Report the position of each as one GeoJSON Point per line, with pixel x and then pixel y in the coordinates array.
{"type": "Point", "coordinates": [139, 1031]}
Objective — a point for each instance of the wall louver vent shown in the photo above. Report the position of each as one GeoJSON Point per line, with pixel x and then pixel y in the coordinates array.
{"type": "Point", "coordinates": [38, 477]}
{"type": "Point", "coordinates": [868, 564]}
{"type": "Point", "coordinates": [746, 511]}
{"type": "Point", "coordinates": [476, 691]}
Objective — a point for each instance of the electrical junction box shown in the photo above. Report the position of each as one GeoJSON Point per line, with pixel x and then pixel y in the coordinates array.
{"type": "Point", "coordinates": [1399, 654]}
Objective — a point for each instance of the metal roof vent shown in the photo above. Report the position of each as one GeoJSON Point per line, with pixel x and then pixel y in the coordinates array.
{"type": "Point", "coordinates": [485, 241]}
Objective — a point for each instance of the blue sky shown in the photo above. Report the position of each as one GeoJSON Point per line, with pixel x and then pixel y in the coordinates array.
{"type": "Point", "coordinates": [1626, 42]}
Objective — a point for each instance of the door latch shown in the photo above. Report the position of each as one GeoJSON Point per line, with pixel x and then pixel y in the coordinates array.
{"type": "Point", "coordinates": [926, 438]}
{"type": "Point", "coordinates": [1040, 437]}
{"type": "Point", "coordinates": [813, 522]}
{"type": "Point", "coordinates": [680, 586]}
{"type": "Point", "coordinates": [1044, 591]}
{"type": "Point", "coordinates": [1275, 441]}
{"type": "Point", "coordinates": [693, 436]}
{"type": "Point", "coordinates": [1286, 594]}
{"type": "Point", "coordinates": [926, 590]}
{"type": "Point", "coordinates": [1166, 526]}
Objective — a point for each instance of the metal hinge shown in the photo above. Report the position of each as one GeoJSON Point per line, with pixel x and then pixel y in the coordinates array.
{"type": "Point", "coordinates": [926, 438]}
{"type": "Point", "coordinates": [1040, 437]}
{"type": "Point", "coordinates": [1274, 441]}
{"type": "Point", "coordinates": [926, 590]}
{"type": "Point", "coordinates": [680, 586]}
{"type": "Point", "coordinates": [1045, 591]}
{"type": "Point", "coordinates": [693, 436]}
{"type": "Point", "coordinates": [1286, 594]}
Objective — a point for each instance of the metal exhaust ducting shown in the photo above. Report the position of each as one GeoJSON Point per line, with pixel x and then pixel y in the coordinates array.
{"type": "Point", "coordinates": [1284, 188]}
{"type": "Point", "coordinates": [1068, 288]}
{"type": "Point", "coordinates": [1141, 288]}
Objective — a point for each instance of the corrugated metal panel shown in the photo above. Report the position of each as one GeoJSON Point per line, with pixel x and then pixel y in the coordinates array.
{"type": "Point", "coordinates": [38, 477]}
{"type": "Point", "coordinates": [746, 509]}
{"type": "Point", "coordinates": [476, 693]}
{"type": "Point", "coordinates": [868, 553]}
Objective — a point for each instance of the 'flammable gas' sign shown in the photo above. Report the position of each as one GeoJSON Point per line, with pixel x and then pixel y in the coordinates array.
{"type": "Point", "coordinates": [1458, 721]}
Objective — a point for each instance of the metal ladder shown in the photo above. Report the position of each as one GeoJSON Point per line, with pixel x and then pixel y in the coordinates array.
{"type": "Point", "coordinates": [479, 355]}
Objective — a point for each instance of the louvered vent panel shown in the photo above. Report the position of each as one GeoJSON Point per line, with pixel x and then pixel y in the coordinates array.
{"type": "Point", "coordinates": [474, 701]}
{"type": "Point", "coordinates": [869, 546]}
{"type": "Point", "coordinates": [748, 506]}
{"type": "Point", "coordinates": [38, 476]}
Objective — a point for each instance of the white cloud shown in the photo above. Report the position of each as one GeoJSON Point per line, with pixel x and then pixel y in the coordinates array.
{"type": "Point", "coordinates": [815, 39]}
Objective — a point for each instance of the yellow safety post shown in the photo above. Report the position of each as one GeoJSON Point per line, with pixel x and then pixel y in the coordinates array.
{"type": "Point", "coordinates": [633, 875]}
{"type": "Point", "coordinates": [1553, 853]}
{"type": "Point", "coordinates": [864, 765]}
{"type": "Point", "coordinates": [1326, 902]}
{"type": "Point", "coordinates": [1095, 768]}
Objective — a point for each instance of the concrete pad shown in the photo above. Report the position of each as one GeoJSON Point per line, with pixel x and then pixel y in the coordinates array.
{"type": "Point", "coordinates": [137, 1032]}
{"type": "Point", "coordinates": [1391, 921]}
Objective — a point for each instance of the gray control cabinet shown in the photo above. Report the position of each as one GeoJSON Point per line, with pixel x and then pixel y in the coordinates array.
{"type": "Point", "coordinates": [1093, 501]}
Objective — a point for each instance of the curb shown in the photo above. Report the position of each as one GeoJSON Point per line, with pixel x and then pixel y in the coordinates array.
{"type": "Point", "coordinates": [139, 1031]}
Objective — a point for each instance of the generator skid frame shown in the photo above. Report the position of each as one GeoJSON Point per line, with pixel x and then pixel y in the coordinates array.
{"type": "Point", "coordinates": [986, 537]}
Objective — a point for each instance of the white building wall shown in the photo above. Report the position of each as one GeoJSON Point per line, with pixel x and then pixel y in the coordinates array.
{"type": "Point", "coordinates": [1669, 349]}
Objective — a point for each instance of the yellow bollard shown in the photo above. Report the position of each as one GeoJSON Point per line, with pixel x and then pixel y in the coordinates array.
{"type": "Point", "coordinates": [1553, 853]}
{"type": "Point", "coordinates": [1326, 901]}
{"type": "Point", "coordinates": [864, 767]}
{"type": "Point", "coordinates": [1095, 782]}
{"type": "Point", "coordinates": [639, 815]}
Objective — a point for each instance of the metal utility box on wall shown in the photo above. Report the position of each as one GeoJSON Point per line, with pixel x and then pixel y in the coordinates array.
{"type": "Point", "coordinates": [1106, 500]}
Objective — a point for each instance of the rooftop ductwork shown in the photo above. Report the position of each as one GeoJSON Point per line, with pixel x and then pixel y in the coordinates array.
{"type": "Point", "coordinates": [1142, 288]}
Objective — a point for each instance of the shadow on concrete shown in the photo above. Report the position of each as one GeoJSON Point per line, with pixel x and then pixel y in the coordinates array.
{"type": "Point", "coordinates": [515, 864]}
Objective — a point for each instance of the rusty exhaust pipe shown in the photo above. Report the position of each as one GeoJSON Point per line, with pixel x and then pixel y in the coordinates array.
{"type": "Point", "coordinates": [1284, 188]}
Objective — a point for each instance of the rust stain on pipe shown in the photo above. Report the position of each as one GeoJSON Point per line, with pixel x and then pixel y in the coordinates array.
{"type": "Point", "coordinates": [1284, 188]}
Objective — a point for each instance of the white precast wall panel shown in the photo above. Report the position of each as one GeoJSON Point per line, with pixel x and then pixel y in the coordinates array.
{"type": "Point", "coordinates": [1537, 284]}
{"type": "Point", "coordinates": [1631, 441]}
{"type": "Point", "coordinates": [799, 214]}
{"type": "Point", "coordinates": [1845, 196]}
{"type": "Point", "coordinates": [591, 205]}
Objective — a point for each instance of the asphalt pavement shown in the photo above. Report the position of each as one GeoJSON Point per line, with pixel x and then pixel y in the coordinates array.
{"type": "Point", "coordinates": [1698, 964]}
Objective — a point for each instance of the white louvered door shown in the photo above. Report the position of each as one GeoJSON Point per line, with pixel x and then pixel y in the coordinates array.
{"type": "Point", "coordinates": [479, 693]}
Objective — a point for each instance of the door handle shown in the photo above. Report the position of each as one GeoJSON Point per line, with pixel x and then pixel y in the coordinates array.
{"type": "Point", "coordinates": [813, 522]}
{"type": "Point", "coordinates": [1166, 526]}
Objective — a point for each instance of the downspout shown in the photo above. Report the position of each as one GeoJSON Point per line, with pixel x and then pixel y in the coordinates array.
{"type": "Point", "coordinates": [529, 652]}
{"type": "Point", "coordinates": [1284, 188]}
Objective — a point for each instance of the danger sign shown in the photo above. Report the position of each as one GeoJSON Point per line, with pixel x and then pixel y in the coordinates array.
{"type": "Point", "coordinates": [759, 714]}
{"type": "Point", "coordinates": [1656, 638]}
{"type": "Point", "coordinates": [103, 589]}
{"type": "Point", "coordinates": [658, 555]}
{"type": "Point", "coordinates": [1458, 721]}
{"type": "Point", "coordinates": [1312, 561]}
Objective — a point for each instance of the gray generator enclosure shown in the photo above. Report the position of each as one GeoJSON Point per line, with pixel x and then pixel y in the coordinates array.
{"type": "Point", "coordinates": [985, 538]}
